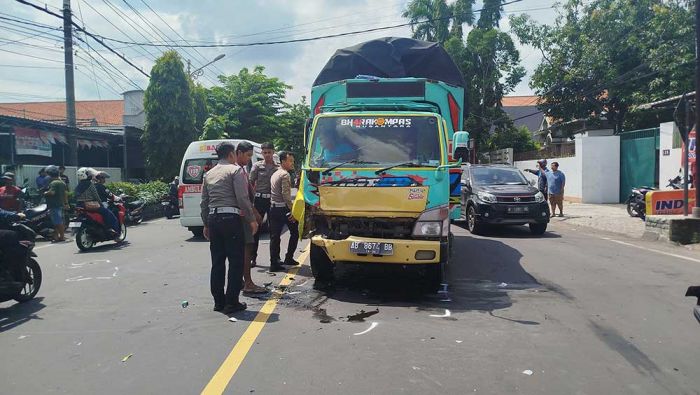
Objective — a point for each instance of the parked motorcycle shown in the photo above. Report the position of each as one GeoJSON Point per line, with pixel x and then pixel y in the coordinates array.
{"type": "Point", "coordinates": [89, 227]}
{"type": "Point", "coordinates": [39, 220]}
{"type": "Point", "coordinates": [170, 206]}
{"type": "Point", "coordinates": [134, 209]}
{"type": "Point", "coordinates": [22, 289]}
{"type": "Point", "coordinates": [636, 202]}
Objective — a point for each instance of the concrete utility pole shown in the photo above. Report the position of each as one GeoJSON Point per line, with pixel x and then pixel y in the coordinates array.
{"type": "Point", "coordinates": [70, 83]}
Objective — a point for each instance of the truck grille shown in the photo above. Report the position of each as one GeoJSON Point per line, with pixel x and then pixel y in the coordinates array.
{"type": "Point", "coordinates": [389, 228]}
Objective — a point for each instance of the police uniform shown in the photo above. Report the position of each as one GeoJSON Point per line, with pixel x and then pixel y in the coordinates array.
{"type": "Point", "coordinates": [280, 215]}
{"type": "Point", "coordinates": [226, 209]}
{"type": "Point", "coordinates": [260, 176]}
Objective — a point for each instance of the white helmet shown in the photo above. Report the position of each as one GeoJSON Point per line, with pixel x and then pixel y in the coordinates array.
{"type": "Point", "coordinates": [84, 173]}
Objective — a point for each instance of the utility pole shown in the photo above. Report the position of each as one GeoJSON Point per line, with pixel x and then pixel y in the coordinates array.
{"type": "Point", "coordinates": [70, 82]}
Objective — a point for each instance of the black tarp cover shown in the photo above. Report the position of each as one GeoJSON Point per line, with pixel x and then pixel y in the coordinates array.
{"type": "Point", "coordinates": [392, 57]}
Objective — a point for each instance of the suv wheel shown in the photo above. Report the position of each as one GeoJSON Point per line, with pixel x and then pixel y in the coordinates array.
{"type": "Point", "coordinates": [473, 223]}
{"type": "Point", "coordinates": [538, 229]}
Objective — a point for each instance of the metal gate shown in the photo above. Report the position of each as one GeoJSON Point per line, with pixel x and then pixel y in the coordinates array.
{"type": "Point", "coordinates": [639, 160]}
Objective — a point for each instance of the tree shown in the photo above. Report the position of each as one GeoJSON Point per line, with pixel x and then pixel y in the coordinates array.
{"type": "Point", "coordinates": [290, 136]}
{"type": "Point", "coordinates": [201, 112]}
{"type": "Point", "coordinates": [600, 59]}
{"type": "Point", "coordinates": [518, 138]}
{"type": "Point", "coordinates": [170, 117]}
{"type": "Point", "coordinates": [247, 106]}
{"type": "Point", "coordinates": [435, 20]}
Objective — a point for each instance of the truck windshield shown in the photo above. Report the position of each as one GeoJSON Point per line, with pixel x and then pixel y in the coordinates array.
{"type": "Point", "coordinates": [372, 140]}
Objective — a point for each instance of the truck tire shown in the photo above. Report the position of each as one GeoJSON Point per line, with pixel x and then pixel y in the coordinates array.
{"type": "Point", "coordinates": [321, 265]}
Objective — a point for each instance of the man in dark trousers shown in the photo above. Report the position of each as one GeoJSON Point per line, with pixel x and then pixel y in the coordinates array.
{"type": "Point", "coordinates": [226, 209]}
{"type": "Point", "coordinates": [541, 173]}
{"type": "Point", "coordinates": [281, 214]}
{"type": "Point", "coordinates": [260, 176]}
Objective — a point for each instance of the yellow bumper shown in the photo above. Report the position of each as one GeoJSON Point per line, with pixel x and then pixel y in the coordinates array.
{"type": "Point", "coordinates": [404, 250]}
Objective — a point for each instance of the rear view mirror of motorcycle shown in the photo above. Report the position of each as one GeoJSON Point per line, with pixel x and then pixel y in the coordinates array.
{"type": "Point", "coordinates": [695, 291]}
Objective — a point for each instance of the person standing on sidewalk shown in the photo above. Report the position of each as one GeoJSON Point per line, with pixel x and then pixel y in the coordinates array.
{"type": "Point", "coordinates": [56, 201]}
{"type": "Point", "coordinates": [281, 214]}
{"type": "Point", "coordinates": [260, 176]}
{"type": "Point", "coordinates": [244, 151]}
{"type": "Point", "coordinates": [556, 180]}
{"type": "Point", "coordinates": [226, 209]}
{"type": "Point", "coordinates": [541, 174]}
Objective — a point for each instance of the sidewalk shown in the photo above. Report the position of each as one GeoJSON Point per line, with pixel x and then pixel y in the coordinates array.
{"type": "Point", "coordinates": [606, 217]}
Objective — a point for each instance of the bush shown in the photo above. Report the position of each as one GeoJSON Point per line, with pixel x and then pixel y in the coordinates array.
{"type": "Point", "coordinates": [150, 192]}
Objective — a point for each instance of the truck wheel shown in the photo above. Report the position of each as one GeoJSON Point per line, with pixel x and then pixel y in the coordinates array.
{"type": "Point", "coordinates": [538, 229]}
{"type": "Point", "coordinates": [433, 277]}
{"type": "Point", "coordinates": [321, 265]}
{"type": "Point", "coordinates": [197, 231]}
{"type": "Point", "coordinates": [475, 227]}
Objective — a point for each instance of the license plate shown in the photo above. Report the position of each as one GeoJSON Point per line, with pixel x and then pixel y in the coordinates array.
{"type": "Point", "coordinates": [371, 248]}
{"type": "Point", "coordinates": [74, 224]}
{"type": "Point", "coordinates": [517, 209]}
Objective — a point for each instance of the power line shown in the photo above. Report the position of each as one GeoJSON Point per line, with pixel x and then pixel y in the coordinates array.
{"type": "Point", "coordinates": [307, 39]}
{"type": "Point", "coordinates": [94, 37]}
{"type": "Point", "coordinates": [126, 78]}
{"type": "Point", "coordinates": [31, 56]}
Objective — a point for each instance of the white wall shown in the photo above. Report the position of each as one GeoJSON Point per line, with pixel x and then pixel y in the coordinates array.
{"type": "Point", "coordinates": [670, 165]}
{"type": "Point", "coordinates": [593, 175]}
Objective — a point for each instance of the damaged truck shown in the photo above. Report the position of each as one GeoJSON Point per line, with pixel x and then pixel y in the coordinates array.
{"type": "Point", "coordinates": [381, 178]}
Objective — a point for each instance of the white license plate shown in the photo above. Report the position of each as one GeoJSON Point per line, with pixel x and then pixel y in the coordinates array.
{"type": "Point", "coordinates": [75, 224]}
{"type": "Point", "coordinates": [371, 248]}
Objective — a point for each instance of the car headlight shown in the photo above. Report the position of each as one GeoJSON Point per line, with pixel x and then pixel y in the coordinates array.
{"type": "Point", "coordinates": [433, 223]}
{"type": "Point", "coordinates": [486, 197]}
{"type": "Point", "coordinates": [539, 197]}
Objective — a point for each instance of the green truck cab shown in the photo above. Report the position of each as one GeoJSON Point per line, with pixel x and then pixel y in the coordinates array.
{"type": "Point", "coordinates": [381, 178]}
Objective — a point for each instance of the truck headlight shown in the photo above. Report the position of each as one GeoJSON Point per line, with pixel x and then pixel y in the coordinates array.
{"type": "Point", "coordinates": [486, 197]}
{"type": "Point", "coordinates": [539, 197]}
{"type": "Point", "coordinates": [432, 223]}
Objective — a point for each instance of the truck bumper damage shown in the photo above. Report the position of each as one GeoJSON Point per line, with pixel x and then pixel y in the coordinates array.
{"type": "Point", "coordinates": [405, 252]}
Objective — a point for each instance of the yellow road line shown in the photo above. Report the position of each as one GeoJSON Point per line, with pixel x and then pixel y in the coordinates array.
{"type": "Point", "coordinates": [235, 358]}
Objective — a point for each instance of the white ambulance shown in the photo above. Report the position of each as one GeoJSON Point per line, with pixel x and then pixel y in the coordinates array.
{"type": "Point", "coordinates": [200, 157]}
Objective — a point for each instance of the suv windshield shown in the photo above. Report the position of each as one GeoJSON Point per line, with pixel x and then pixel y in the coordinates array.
{"type": "Point", "coordinates": [376, 140]}
{"type": "Point", "coordinates": [497, 176]}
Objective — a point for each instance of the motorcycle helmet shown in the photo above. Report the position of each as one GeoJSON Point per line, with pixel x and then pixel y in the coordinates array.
{"type": "Point", "coordinates": [84, 173]}
{"type": "Point", "coordinates": [52, 171]}
{"type": "Point", "coordinates": [102, 175]}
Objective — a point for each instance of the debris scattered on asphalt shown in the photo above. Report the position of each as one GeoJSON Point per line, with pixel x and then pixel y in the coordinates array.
{"type": "Point", "coordinates": [416, 368]}
{"type": "Point", "coordinates": [293, 293]}
{"type": "Point", "coordinates": [360, 317]}
{"type": "Point", "coordinates": [232, 319]}
{"type": "Point", "coordinates": [502, 285]}
{"type": "Point", "coordinates": [272, 274]}
{"type": "Point", "coordinates": [22, 337]}
{"type": "Point", "coordinates": [185, 304]}
{"type": "Point", "coordinates": [144, 292]}
{"type": "Point", "coordinates": [458, 341]}
{"type": "Point", "coordinates": [126, 358]}
{"type": "Point", "coordinates": [372, 326]}
{"type": "Point", "coordinates": [527, 372]}
{"type": "Point", "coordinates": [432, 337]}
{"type": "Point", "coordinates": [323, 316]}
{"type": "Point", "coordinates": [78, 343]}
{"type": "Point", "coordinates": [447, 314]}
{"type": "Point", "coordinates": [164, 284]}
{"type": "Point", "coordinates": [291, 278]}
{"type": "Point", "coordinates": [267, 284]}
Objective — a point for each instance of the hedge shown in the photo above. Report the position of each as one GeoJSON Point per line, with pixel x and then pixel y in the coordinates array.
{"type": "Point", "coordinates": [150, 192]}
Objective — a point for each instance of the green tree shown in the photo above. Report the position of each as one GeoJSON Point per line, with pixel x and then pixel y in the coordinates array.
{"type": "Point", "coordinates": [600, 59]}
{"type": "Point", "coordinates": [170, 117]}
{"type": "Point", "coordinates": [201, 112]}
{"type": "Point", "coordinates": [518, 138]}
{"type": "Point", "coordinates": [290, 136]}
{"type": "Point", "coordinates": [435, 20]}
{"type": "Point", "coordinates": [247, 106]}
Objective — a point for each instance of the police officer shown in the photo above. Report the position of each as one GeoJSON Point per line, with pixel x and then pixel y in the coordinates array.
{"type": "Point", "coordinates": [281, 213]}
{"type": "Point", "coordinates": [226, 208]}
{"type": "Point", "coordinates": [260, 175]}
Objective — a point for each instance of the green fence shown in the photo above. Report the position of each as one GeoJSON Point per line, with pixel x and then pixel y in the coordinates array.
{"type": "Point", "coordinates": [639, 160]}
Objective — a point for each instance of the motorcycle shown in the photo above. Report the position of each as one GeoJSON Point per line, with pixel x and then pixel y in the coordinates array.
{"type": "Point", "coordinates": [24, 289]}
{"type": "Point", "coordinates": [636, 202]}
{"type": "Point", "coordinates": [134, 209]}
{"type": "Point", "coordinates": [170, 206]}
{"type": "Point", "coordinates": [89, 227]}
{"type": "Point", "coordinates": [39, 220]}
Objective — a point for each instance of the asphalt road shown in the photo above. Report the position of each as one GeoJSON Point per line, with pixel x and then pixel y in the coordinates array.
{"type": "Point", "coordinates": [574, 312]}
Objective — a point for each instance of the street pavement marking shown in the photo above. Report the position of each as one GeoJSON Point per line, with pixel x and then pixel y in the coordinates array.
{"type": "Point", "coordinates": [687, 258]}
{"type": "Point", "coordinates": [218, 383]}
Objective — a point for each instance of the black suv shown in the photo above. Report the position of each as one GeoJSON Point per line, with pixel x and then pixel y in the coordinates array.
{"type": "Point", "coordinates": [501, 195]}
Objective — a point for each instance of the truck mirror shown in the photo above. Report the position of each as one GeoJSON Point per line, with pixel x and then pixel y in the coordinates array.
{"type": "Point", "coordinates": [460, 146]}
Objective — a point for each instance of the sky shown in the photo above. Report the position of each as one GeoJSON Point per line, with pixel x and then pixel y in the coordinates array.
{"type": "Point", "coordinates": [31, 68]}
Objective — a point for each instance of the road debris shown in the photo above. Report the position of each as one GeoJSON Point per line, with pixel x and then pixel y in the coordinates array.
{"type": "Point", "coordinates": [322, 316]}
{"type": "Point", "coordinates": [527, 372]}
{"type": "Point", "coordinates": [232, 319]}
{"type": "Point", "coordinates": [126, 358]}
{"type": "Point", "coordinates": [360, 317]}
{"type": "Point", "coordinates": [447, 314]}
{"type": "Point", "coordinates": [458, 341]}
{"type": "Point", "coordinates": [22, 337]}
{"type": "Point", "coordinates": [416, 368]}
{"type": "Point", "coordinates": [185, 304]}
{"type": "Point", "coordinates": [502, 285]}
{"type": "Point", "coordinates": [372, 326]}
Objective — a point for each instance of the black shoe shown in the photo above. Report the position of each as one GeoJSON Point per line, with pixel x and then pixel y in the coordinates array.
{"type": "Point", "coordinates": [276, 267]}
{"type": "Point", "coordinates": [218, 307]}
{"type": "Point", "coordinates": [290, 262]}
{"type": "Point", "coordinates": [232, 308]}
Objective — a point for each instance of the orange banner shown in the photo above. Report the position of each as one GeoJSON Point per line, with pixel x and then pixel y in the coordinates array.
{"type": "Point", "coordinates": [668, 202]}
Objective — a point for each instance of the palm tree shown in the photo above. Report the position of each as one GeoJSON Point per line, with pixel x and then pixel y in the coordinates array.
{"type": "Point", "coordinates": [431, 19]}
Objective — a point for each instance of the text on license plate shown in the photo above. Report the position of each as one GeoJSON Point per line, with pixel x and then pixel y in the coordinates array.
{"type": "Point", "coordinates": [75, 224]}
{"type": "Point", "coordinates": [517, 209]}
{"type": "Point", "coordinates": [371, 247]}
